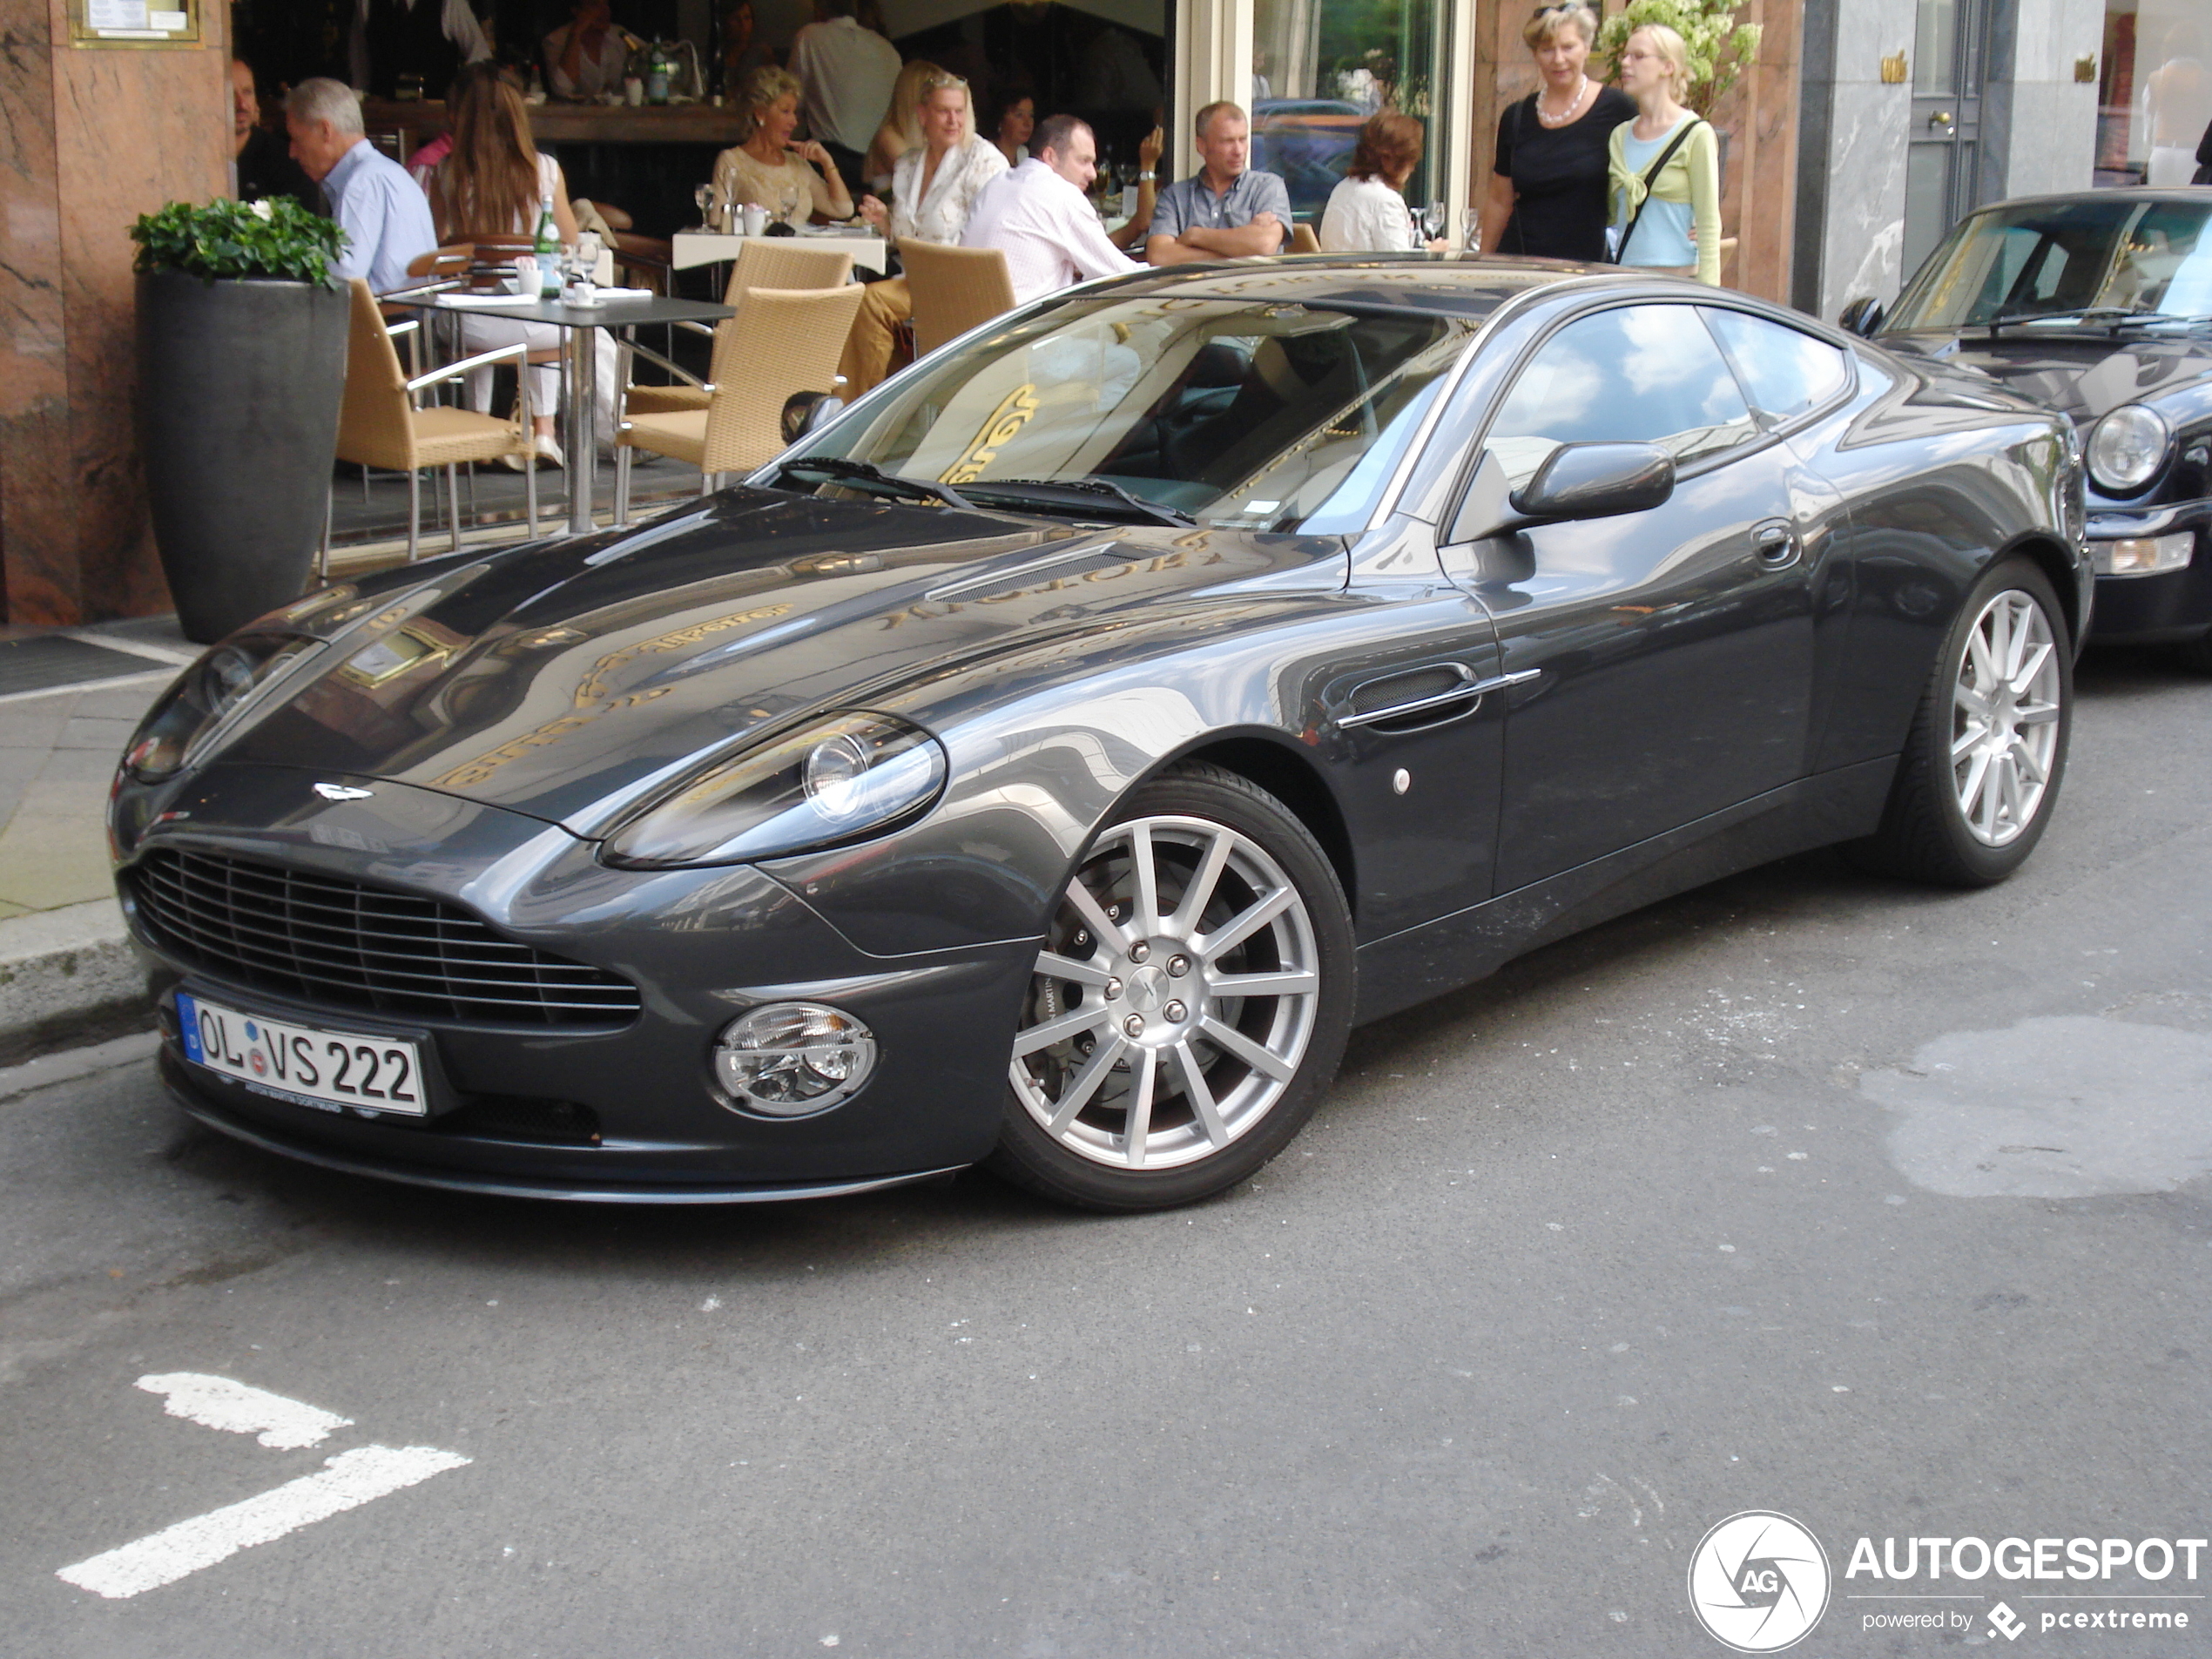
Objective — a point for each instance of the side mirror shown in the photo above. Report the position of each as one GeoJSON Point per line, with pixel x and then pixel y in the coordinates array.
{"type": "Point", "coordinates": [809, 412]}
{"type": "Point", "coordinates": [1597, 480]}
{"type": "Point", "coordinates": [1861, 317]}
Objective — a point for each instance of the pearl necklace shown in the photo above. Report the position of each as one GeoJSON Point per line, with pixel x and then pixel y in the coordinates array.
{"type": "Point", "coordinates": [1569, 112]}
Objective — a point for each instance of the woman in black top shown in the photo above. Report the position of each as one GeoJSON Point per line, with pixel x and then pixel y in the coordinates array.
{"type": "Point", "coordinates": [1548, 195]}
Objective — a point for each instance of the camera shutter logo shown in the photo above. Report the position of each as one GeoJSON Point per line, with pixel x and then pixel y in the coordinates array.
{"type": "Point", "coordinates": [1758, 1582]}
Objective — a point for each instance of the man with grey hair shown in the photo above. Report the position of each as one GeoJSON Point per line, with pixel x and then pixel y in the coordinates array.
{"type": "Point", "coordinates": [385, 215]}
{"type": "Point", "coordinates": [1229, 209]}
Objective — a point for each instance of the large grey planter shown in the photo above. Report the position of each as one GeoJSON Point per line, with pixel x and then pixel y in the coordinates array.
{"type": "Point", "coordinates": [238, 389]}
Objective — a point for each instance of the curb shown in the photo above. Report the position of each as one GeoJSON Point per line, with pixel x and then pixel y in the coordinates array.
{"type": "Point", "coordinates": [69, 977]}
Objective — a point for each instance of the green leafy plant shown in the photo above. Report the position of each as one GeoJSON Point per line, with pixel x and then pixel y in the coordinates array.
{"type": "Point", "coordinates": [1720, 48]}
{"type": "Point", "coordinates": [273, 238]}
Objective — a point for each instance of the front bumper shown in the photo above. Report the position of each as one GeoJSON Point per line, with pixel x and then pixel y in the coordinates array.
{"type": "Point", "coordinates": [623, 1112]}
{"type": "Point", "coordinates": [2171, 605]}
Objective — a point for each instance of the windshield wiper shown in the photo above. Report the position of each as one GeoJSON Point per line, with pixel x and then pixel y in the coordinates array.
{"type": "Point", "coordinates": [1054, 491]}
{"type": "Point", "coordinates": [866, 472]}
{"type": "Point", "coordinates": [2114, 315]}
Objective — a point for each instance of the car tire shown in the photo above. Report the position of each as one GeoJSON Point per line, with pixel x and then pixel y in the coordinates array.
{"type": "Point", "coordinates": [1191, 1002]}
{"type": "Point", "coordinates": [1982, 764]}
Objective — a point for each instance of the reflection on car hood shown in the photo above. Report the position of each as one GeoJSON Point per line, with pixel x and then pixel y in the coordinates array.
{"type": "Point", "coordinates": [2080, 372]}
{"type": "Point", "coordinates": [566, 679]}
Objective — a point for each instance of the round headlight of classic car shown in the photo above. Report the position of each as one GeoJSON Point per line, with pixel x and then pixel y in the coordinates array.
{"type": "Point", "coordinates": [203, 695]}
{"type": "Point", "coordinates": [792, 1059]}
{"type": "Point", "coordinates": [2128, 448]}
{"type": "Point", "coordinates": [837, 780]}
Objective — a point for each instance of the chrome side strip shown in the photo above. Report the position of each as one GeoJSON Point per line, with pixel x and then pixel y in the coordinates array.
{"type": "Point", "coordinates": [1457, 694]}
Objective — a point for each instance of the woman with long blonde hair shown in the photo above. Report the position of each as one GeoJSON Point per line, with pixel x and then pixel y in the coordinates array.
{"type": "Point", "coordinates": [901, 129]}
{"type": "Point", "coordinates": [1665, 164]}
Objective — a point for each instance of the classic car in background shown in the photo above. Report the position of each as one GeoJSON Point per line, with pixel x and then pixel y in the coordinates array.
{"type": "Point", "coordinates": [2099, 305]}
{"type": "Point", "coordinates": [1051, 758]}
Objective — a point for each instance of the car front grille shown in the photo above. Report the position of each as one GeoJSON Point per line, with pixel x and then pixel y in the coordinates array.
{"type": "Point", "coordinates": [347, 945]}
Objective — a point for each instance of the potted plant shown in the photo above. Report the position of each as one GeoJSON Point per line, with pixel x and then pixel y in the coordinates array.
{"type": "Point", "coordinates": [241, 367]}
{"type": "Point", "coordinates": [1720, 48]}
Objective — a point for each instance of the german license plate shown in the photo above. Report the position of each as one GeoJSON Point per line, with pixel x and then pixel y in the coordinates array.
{"type": "Point", "coordinates": [305, 1064]}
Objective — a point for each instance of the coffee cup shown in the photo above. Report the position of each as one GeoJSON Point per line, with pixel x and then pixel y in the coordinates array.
{"type": "Point", "coordinates": [525, 277]}
{"type": "Point", "coordinates": [752, 218]}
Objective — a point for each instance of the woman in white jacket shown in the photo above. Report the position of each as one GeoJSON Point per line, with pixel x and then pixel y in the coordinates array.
{"type": "Point", "coordinates": [1367, 212]}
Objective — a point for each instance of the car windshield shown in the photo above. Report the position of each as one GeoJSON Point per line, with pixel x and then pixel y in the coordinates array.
{"type": "Point", "coordinates": [1268, 416]}
{"type": "Point", "coordinates": [2051, 263]}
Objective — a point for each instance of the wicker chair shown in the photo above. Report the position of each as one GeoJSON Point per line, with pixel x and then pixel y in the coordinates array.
{"type": "Point", "coordinates": [785, 264]}
{"type": "Point", "coordinates": [954, 289]}
{"type": "Point", "coordinates": [782, 341]}
{"type": "Point", "coordinates": [381, 424]}
{"type": "Point", "coordinates": [1302, 240]}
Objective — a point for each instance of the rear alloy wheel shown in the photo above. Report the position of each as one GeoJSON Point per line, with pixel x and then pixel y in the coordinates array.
{"type": "Point", "coordinates": [1189, 1005]}
{"type": "Point", "coordinates": [1981, 767]}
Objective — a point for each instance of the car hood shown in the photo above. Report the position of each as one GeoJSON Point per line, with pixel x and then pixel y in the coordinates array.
{"type": "Point", "coordinates": [2082, 372]}
{"type": "Point", "coordinates": [566, 681]}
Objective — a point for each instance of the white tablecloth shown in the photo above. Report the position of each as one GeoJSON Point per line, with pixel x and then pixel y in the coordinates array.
{"type": "Point", "coordinates": [701, 247]}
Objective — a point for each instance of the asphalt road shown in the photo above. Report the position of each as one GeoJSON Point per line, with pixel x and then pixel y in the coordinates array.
{"type": "Point", "coordinates": [1881, 1207]}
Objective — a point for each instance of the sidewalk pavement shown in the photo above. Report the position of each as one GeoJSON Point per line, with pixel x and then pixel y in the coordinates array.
{"type": "Point", "coordinates": [68, 975]}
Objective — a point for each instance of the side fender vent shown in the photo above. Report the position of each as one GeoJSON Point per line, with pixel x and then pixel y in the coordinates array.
{"type": "Point", "coordinates": [1410, 701]}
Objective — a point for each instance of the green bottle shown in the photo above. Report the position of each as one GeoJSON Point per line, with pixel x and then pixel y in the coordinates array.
{"type": "Point", "coordinates": [547, 250]}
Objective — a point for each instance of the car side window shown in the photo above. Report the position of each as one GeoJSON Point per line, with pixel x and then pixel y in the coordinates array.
{"type": "Point", "coordinates": [1634, 374]}
{"type": "Point", "coordinates": [1786, 371]}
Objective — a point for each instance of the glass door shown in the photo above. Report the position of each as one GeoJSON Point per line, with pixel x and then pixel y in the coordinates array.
{"type": "Point", "coordinates": [1943, 162]}
{"type": "Point", "coordinates": [1321, 68]}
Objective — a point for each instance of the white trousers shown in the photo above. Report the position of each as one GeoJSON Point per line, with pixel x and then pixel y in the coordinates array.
{"type": "Point", "coordinates": [487, 333]}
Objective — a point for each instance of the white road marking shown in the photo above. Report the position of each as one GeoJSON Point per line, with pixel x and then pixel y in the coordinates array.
{"type": "Point", "coordinates": [217, 1402]}
{"type": "Point", "coordinates": [350, 1480]}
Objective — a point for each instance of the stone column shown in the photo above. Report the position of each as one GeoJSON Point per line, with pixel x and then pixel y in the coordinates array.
{"type": "Point", "coordinates": [90, 138]}
{"type": "Point", "coordinates": [1852, 146]}
{"type": "Point", "coordinates": [1212, 58]}
{"type": "Point", "coordinates": [2039, 123]}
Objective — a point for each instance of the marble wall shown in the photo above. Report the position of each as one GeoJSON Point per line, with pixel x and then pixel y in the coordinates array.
{"type": "Point", "coordinates": [2039, 124]}
{"type": "Point", "coordinates": [89, 140]}
{"type": "Point", "coordinates": [1849, 235]}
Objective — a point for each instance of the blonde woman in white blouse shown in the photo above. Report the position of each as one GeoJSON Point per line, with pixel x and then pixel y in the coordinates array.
{"type": "Point", "coordinates": [768, 168]}
{"type": "Point", "coordinates": [933, 188]}
{"type": "Point", "coordinates": [1367, 212]}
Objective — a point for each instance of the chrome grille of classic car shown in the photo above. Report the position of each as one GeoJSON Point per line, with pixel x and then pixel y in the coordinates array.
{"type": "Point", "coordinates": [347, 945]}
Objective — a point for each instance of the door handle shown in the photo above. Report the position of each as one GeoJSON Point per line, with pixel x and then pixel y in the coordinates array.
{"type": "Point", "coordinates": [1940, 121]}
{"type": "Point", "coordinates": [1776, 544]}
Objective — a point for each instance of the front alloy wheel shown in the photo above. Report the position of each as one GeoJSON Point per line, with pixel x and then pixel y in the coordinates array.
{"type": "Point", "coordinates": [1981, 765]}
{"type": "Point", "coordinates": [1189, 1003]}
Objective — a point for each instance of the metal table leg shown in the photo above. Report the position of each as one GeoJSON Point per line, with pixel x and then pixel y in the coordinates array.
{"type": "Point", "coordinates": [583, 452]}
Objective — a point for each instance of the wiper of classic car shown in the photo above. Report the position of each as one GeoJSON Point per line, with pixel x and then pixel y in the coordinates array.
{"type": "Point", "coordinates": [2114, 314]}
{"type": "Point", "coordinates": [1047, 492]}
{"type": "Point", "coordinates": [866, 472]}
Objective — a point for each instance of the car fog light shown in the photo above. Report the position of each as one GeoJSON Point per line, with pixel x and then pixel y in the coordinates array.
{"type": "Point", "coordinates": [789, 1059]}
{"type": "Point", "coordinates": [2142, 555]}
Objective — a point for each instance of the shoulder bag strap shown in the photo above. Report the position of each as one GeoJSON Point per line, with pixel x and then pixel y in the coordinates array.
{"type": "Point", "coordinates": [1651, 173]}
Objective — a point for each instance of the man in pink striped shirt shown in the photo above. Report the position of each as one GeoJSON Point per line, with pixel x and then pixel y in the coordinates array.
{"type": "Point", "coordinates": [1038, 216]}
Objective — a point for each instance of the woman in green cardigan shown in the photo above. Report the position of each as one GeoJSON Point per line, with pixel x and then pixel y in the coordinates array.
{"type": "Point", "coordinates": [1676, 228]}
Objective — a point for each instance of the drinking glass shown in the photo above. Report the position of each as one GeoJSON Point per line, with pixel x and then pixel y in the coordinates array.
{"type": "Point", "coordinates": [787, 206]}
{"type": "Point", "coordinates": [1433, 220]}
{"type": "Point", "coordinates": [1471, 224]}
{"type": "Point", "coordinates": [703, 195]}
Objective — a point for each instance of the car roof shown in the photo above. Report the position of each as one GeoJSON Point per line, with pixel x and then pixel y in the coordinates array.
{"type": "Point", "coordinates": [1455, 284]}
{"type": "Point", "coordinates": [2117, 192]}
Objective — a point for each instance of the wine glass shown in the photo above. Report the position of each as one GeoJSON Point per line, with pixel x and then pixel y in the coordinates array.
{"type": "Point", "coordinates": [787, 205]}
{"type": "Point", "coordinates": [1470, 225]}
{"type": "Point", "coordinates": [1433, 220]}
{"type": "Point", "coordinates": [703, 195]}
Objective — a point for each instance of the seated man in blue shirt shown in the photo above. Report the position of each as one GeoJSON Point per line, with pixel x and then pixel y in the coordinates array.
{"type": "Point", "coordinates": [385, 214]}
{"type": "Point", "coordinates": [1228, 209]}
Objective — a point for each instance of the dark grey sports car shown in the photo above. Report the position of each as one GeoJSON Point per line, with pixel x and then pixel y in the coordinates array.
{"type": "Point", "coordinates": [2098, 304]}
{"type": "Point", "coordinates": [1052, 758]}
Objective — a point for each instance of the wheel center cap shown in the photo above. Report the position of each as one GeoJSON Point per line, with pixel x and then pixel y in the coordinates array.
{"type": "Point", "coordinates": [1147, 988]}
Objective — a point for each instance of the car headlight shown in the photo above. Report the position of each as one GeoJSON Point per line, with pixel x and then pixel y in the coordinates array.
{"type": "Point", "coordinates": [2127, 448]}
{"type": "Point", "coordinates": [837, 780]}
{"type": "Point", "coordinates": [219, 683]}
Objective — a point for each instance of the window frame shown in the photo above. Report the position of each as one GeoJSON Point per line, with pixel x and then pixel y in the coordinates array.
{"type": "Point", "coordinates": [1778, 425]}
